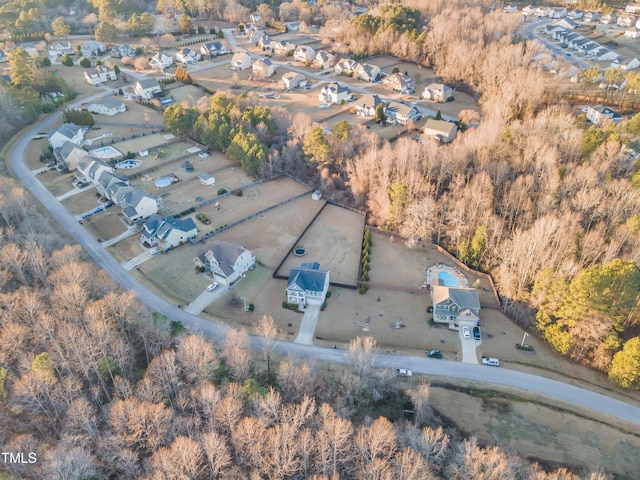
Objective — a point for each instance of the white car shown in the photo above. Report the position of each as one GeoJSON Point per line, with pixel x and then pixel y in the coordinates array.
{"type": "Point", "coordinates": [156, 251]}
{"type": "Point", "coordinates": [403, 372]}
{"type": "Point", "coordinates": [465, 332]}
{"type": "Point", "coordinates": [212, 286]}
{"type": "Point", "coordinates": [492, 362]}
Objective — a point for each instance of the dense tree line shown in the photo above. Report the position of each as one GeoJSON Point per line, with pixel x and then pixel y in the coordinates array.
{"type": "Point", "coordinates": [97, 388]}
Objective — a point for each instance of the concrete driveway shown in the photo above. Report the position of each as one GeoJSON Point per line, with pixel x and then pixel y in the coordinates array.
{"type": "Point", "coordinates": [308, 325]}
{"type": "Point", "coordinates": [469, 345]}
{"type": "Point", "coordinates": [204, 299]}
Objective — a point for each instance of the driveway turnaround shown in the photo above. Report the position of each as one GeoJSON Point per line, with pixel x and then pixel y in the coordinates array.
{"type": "Point", "coordinates": [468, 348]}
{"type": "Point", "coordinates": [552, 389]}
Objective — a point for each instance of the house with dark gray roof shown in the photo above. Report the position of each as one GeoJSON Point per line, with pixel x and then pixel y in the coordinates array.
{"type": "Point", "coordinates": [68, 132]}
{"type": "Point", "coordinates": [454, 304]}
{"type": "Point", "coordinates": [167, 232]}
{"type": "Point", "coordinates": [147, 88]}
{"type": "Point", "coordinates": [307, 285]}
{"type": "Point", "coordinates": [137, 205]}
{"type": "Point", "coordinates": [69, 155]}
{"type": "Point", "coordinates": [226, 262]}
{"type": "Point", "coordinates": [212, 49]}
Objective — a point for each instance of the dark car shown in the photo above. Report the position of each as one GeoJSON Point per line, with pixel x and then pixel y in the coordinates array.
{"type": "Point", "coordinates": [476, 333]}
{"type": "Point", "coordinates": [434, 354]}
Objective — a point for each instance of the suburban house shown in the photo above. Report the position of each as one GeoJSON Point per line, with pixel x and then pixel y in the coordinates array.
{"type": "Point", "coordinates": [137, 205]}
{"type": "Point", "coordinates": [167, 232]}
{"type": "Point", "coordinates": [346, 66]}
{"type": "Point", "coordinates": [437, 92]}
{"type": "Point", "coordinates": [367, 72]}
{"type": "Point", "coordinates": [34, 49]}
{"type": "Point", "coordinates": [609, 19]}
{"type": "Point", "coordinates": [401, 112]}
{"type": "Point", "coordinates": [625, 21]}
{"type": "Point", "coordinates": [510, 9]}
{"type": "Point", "coordinates": [69, 155]}
{"type": "Point", "coordinates": [293, 80]}
{"type": "Point", "coordinates": [68, 132]}
{"type": "Point", "coordinates": [626, 63]}
{"type": "Point", "coordinates": [334, 93]}
{"type": "Point", "coordinates": [256, 35]}
{"type": "Point", "coordinates": [282, 48]}
{"type": "Point", "coordinates": [255, 17]}
{"type": "Point", "coordinates": [213, 49]}
{"type": "Point", "coordinates": [61, 47]}
{"type": "Point", "coordinates": [187, 56]}
{"type": "Point", "coordinates": [121, 51]}
{"type": "Point", "coordinates": [107, 106]}
{"type": "Point", "coordinates": [93, 48]}
{"type": "Point", "coordinates": [265, 44]}
{"type": "Point", "coordinates": [575, 14]}
{"type": "Point", "coordinates": [443, 131]}
{"type": "Point", "coordinates": [632, 32]}
{"type": "Point", "coordinates": [240, 61]}
{"type": "Point", "coordinates": [161, 60]}
{"type": "Point", "coordinates": [454, 304]}
{"type": "Point", "coordinates": [591, 16]}
{"type": "Point", "coordinates": [263, 68]}
{"type": "Point", "coordinates": [598, 114]}
{"type": "Point", "coordinates": [90, 169]}
{"type": "Point", "coordinates": [100, 74]}
{"type": "Point", "coordinates": [147, 88]}
{"type": "Point", "coordinates": [559, 12]}
{"type": "Point", "coordinates": [366, 105]}
{"type": "Point", "coordinates": [307, 285]}
{"type": "Point", "coordinates": [304, 54]}
{"type": "Point", "coordinates": [632, 8]}
{"type": "Point", "coordinates": [325, 59]}
{"type": "Point", "coordinates": [400, 83]}
{"type": "Point", "coordinates": [227, 262]}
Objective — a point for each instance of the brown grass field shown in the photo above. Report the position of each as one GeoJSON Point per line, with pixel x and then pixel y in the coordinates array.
{"type": "Point", "coordinates": [334, 240]}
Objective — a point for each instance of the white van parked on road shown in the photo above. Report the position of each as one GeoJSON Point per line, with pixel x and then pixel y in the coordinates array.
{"type": "Point", "coordinates": [492, 362]}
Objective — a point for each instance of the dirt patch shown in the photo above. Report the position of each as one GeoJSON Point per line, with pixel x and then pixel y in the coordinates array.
{"type": "Point", "coordinates": [536, 429]}
{"type": "Point", "coordinates": [334, 240]}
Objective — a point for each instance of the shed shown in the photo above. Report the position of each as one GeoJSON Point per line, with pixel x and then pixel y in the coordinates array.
{"type": "Point", "coordinates": [206, 179]}
{"type": "Point", "coordinates": [317, 195]}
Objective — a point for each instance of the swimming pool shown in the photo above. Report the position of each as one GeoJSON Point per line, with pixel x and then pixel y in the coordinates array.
{"type": "Point", "coordinates": [163, 182]}
{"type": "Point", "coordinates": [448, 280]}
{"type": "Point", "coordinates": [106, 152]}
{"type": "Point", "coordinates": [128, 164]}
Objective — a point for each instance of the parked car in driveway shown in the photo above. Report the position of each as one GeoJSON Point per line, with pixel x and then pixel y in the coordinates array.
{"type": "Point", "coordinates": [465, 332]}
{"type": "Point", "coordinates": [476, 333]}
{"type": "Point", "coordinates": [403, 372]}
{"type": "Point", "coordinates": [212, 286]}
{"type": "Point", "coordinates": [434, 354]}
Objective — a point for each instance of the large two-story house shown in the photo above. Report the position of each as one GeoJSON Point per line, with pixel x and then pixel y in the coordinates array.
{"type": "Point", "coordinates": [226, 262]}
{"type": "Point", "coordinates": [307, 285]}
{"type": "Point", "coordinates": [167, 232]}
{"type": "Point", "coordinates": [455, 304]}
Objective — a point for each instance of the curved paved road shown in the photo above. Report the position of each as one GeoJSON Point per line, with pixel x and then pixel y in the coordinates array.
{"type": "Point", "coordinates": [499, 376]}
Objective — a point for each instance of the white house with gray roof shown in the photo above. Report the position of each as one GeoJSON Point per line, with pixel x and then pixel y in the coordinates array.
{"type": "Point", "coordinates": [304, 54]}
{"type": "Point", "coordinates": [212, 49]}
{"type": "Point", "coordinates": [161, 60]}
{"type": "Point", "coordinates": [138, 205]}
{"type": "Point", "coordinates": [147, 88]}
{"type": "Point", "coordinates": [68, 132]}
{"type": "Point", "coordinates": [187, 56]}
{"type": "Point", "coordinates": [334, 93]}
{"type": "Point", "coordinates": [367, 72]}
{"type": "Point", "coordinates": [227, 262]}
{"type": "Point", "coordinates": [437, 92]}
{"type": "Point", "coordinates": [100, 74]}
{"type": "Point", "coordinates": [107, 106]}
{"type": "Point", "coordinates": [454, 304]}
{"type": "Point", "coordinates": [167, 232]}
{"type": "Point", "coordinates": [402, 112]}
{"type": "Point", "coordinates": [307, 285]}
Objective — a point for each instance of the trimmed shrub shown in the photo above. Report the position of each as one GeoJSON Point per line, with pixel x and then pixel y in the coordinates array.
{"type": "Point", "coordinates": [222, 191]}
{"type": "Point", "coordinates": [85, 62]}
{"type": "Point", "coordinates": [364, 288]}
{"type": "Point", "coordinates": [237, 192]}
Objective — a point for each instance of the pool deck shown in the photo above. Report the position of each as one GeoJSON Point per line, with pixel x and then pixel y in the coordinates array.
{"type": "Point", "coordinates": [433, 271]}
